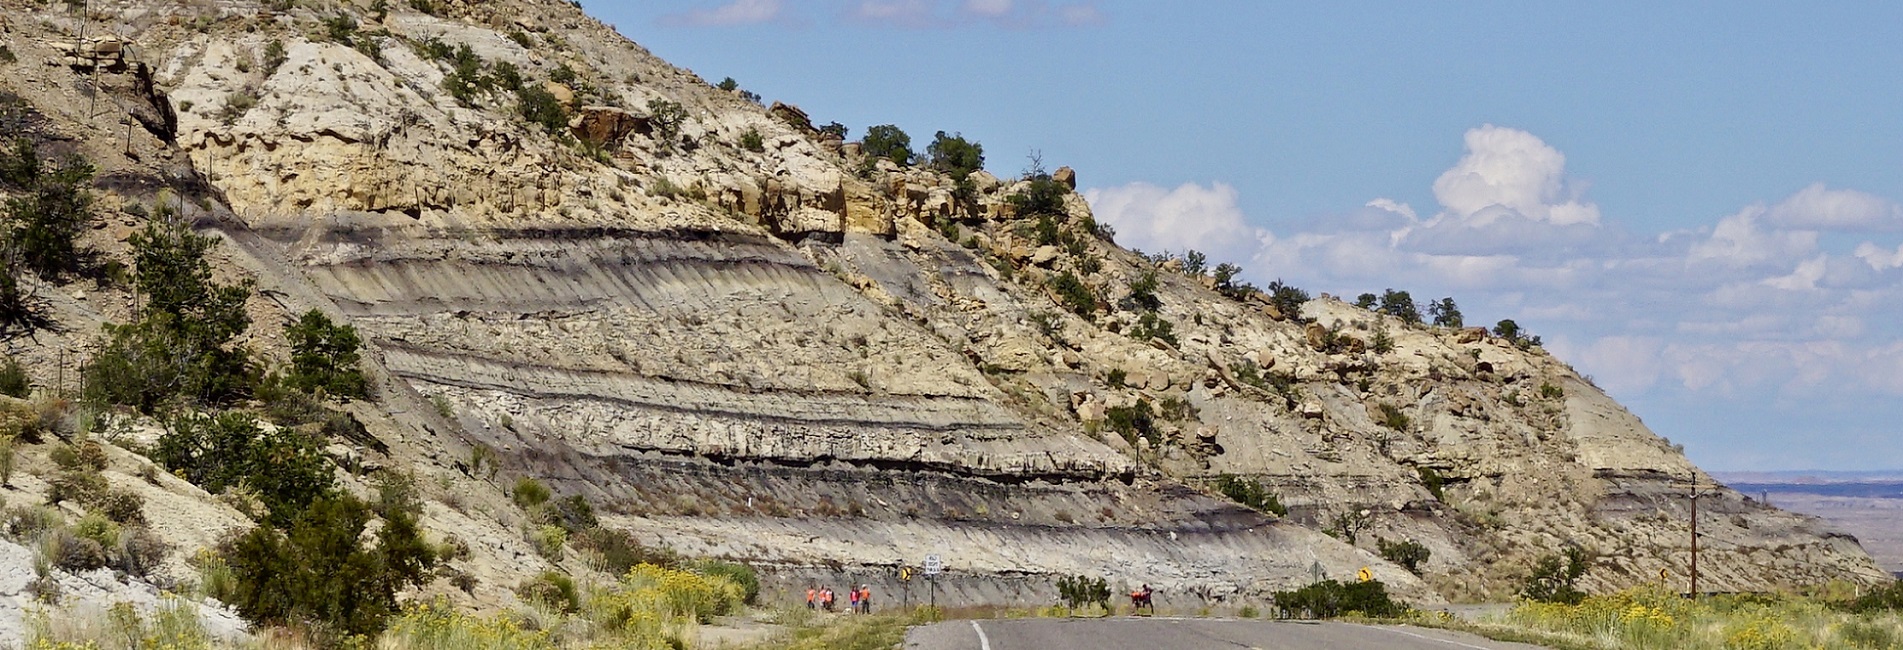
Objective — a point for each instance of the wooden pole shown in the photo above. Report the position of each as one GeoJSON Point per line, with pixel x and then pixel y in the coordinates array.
{"type": "Point", "coordinates": [1694, 488]}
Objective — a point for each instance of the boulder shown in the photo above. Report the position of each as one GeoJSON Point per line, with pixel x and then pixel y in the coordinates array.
{"type": "Point", "coordinates": [1044, 255]}
{"type": "Point", "coordinates": [983, 181]}
{"type": "Point", "coordinates": [1315, 334]}
{"type": "Point", "coordinates": [792, 116]}
{"type": "Point", "coordinates": [1472, 334]}
{"type": "Point", "coordinates": [562, 93]}
{"type": "Point", "coordinates": [1065, 176]}
{"type": "Point", "coordinates": [602, 125]}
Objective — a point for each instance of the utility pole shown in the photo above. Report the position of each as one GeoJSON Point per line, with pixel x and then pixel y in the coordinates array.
{"type": "Point", "coordinates": [1694, 487]}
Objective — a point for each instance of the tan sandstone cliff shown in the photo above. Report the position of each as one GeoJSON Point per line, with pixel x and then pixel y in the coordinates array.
{"type": "Point", "coordinates": [824, 365]}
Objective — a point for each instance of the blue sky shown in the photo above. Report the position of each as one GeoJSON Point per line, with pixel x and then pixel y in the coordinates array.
{"type": "Point", "coordinates": [1696, 204]}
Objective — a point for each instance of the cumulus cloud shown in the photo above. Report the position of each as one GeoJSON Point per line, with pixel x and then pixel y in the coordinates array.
{"type": "Point", "coordinates": [737, 12]}
{"type": "Point", "coordinates": [1190, 216]}
{"type": "Point", "coordinates": [1742, 240]}
{"type": "Point", "coordinates": [897, 13]}
{"type": "Point", "coordinates": [1510, 172]}
{"type": "Point", "coordinates": [1758, 302]}
{"type": "Point", "coordinates": [1819, 208]}
{"type": "Point", "coordinates": [989, 8]}
{"type": "Point", "coordinates": [1880, 258]}
{"type": "Point", "coordinates": [1010, 14]}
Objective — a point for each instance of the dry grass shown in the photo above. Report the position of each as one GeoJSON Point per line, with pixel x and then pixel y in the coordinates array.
{"type": "Point", "coordinates": [1650, 618]}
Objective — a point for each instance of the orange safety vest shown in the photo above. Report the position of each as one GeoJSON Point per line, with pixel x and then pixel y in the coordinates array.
{"type": "Point", "coordinates": [809, 595]}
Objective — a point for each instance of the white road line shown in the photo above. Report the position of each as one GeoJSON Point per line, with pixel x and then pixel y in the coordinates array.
{"type": "Point", "coordinates": [985, 643]}
{"type": "Point", "coordinates": [1423, 637]}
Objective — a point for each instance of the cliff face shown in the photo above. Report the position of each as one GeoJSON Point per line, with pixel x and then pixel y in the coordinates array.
{"type": "Point", "coordinates": [737, 336]}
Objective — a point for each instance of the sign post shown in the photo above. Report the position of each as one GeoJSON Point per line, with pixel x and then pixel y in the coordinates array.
{"type": "Point", "coordinates": [933, 566]}
{"type": "Point", "coordinates": [905, 583]}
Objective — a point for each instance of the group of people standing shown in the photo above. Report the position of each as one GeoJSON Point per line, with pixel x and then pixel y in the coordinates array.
{"type": "Point", "coordinates": [858, 599]}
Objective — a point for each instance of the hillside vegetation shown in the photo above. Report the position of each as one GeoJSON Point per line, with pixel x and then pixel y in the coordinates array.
{"type": "Point", "coordinates": [437, 319]}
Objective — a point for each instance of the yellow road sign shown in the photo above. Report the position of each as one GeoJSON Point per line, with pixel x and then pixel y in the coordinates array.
{"type": "Point", "coordinates": [905, 574]}
{"type": "Point", "coordinates": [1364, 574]}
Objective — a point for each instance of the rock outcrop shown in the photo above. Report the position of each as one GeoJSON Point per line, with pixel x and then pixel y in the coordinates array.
{"type": "Point", "coordinates": [782, 352]}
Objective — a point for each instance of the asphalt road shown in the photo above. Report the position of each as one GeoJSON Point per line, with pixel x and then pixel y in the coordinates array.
{"type": "Point", "coordinates": [1185, 634]}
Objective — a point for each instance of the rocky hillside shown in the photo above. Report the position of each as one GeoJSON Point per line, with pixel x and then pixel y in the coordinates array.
{"type": "Point", "coordinates": [737, 334]}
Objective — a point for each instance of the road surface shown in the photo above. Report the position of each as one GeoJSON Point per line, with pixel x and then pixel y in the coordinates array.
{"type": "Point", "coordinates": [1185, 634]}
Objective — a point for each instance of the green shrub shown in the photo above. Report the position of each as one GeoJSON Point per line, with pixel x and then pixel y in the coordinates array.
{"type": "Point", "coordinates": [341, 28]}
{"type": "Point", "coordinates": [667, 118]}
{"type": "Point", "coordinates": [274, 56]}
{"type": "Point", "coordinates": [1433, 481]}
{"type": "Point", "coordinates": [1228, 283]}
{"type": "Point", "coordinates": [184, 343]}
{"type": "Point", "coordinates": [6, 459]}
{"type": "Point", "coordinates": [98, 528]}
{"type": "Point", "coordinates": [1151, 326]}
{"type": "Point", "coordinates": [139, 551]}
{"type": "Point", "coordinates": [529, 493]}
{"type": "Point", "coordinates": [1287, 299]}
{"type": "Point", "coordinates": [735, 572]}
{"type": "Point", "coordinates": [1143, 292]}
{"type": "Point", "coordinates": [1554, 576]}
{"type": "Point", "coordinates": [1079, 591]}
{"type": "Point", "coordinates": [286, 406]}
{"type": "Point", "coordinates": [324, 356]}
{"type": "Point", "coordinates": [1249, 492]}
{"type": "Point", "coordinates": [1400, 305]}
{"type": "Point", "coordinates": [889, 142]}
{"type": "Point", "coordinates": [1074, 294]}
{"type": "Point", "coordinates": [121, 506]}
{"type": "Point", "coordinates": [1367, 301]}
{"type": "Point", "coordinates": [1383, 343]}
{"type": "Point", "coordinates": [1134, 422]}
{"type": "Point", "coordinates": [1407, 553]}
{"type": "Point", "coordinates": [615, 551]}
{"type": "Point", "coordinates": [548, 541]}
{"type": "Point", "coordinates": [1330, 598]}
{"type": "Point", "coordinates": [1195, 263]}
{"type": "Point", "coordinates": [1043, 196]}
{"type": "Point", "coordinates": [571, 513]}
{"type": "Point", "coordinates": [237, 104]}
{"type": "Point", "coordinates": [539, 106]}
{"type": "Point", "coordinates": [1446, 313]}
{"type": "Point", "coordinates": [553, 589]}
{"type": "Point", "coordinates": [287, 469]}
{"type": "Point", "coordinates": [752, 141]}
{"type": "Point", "coordinates": [316, 571]}
{"type": "Point", "coordinates": [1394, 418]}
{"type": "Point", "coordinates": [53, 207]}
{"type": "Point", "coordinates": [73, 553]}
{"type": "Point", "coordinates": [1549, 391]}
{"type": "Point", "coordinates": [955, 155]}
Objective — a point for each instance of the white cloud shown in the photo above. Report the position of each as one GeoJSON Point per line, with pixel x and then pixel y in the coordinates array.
{"type": "Point", "coordinates": [1511, 169]}
{"type": "Point", "coordinates": [1818, 208]}
{"type": "Point", "coordinates": [1880, 258]}
{"type": "Point", "coordinates": [737, 12]}
{"type": "Point", "coordinates": [1008, 14]}
{"type": "Point", "coordinates": [1621, 363]}
{"type": "Point", "coordinates": [1804, 278]}
{"type": "Point", "coordinates": [1758, 305]}
{"type": "Point", "coordinates": [1080, 15]}
{"type": "Point", "coordinates": [899, 13]}
{"type": "Point", "coordinates": [988, 8]}
{"type": "Point", "coordinates": [1740, 241]}
{"type": "Point", "coordinates": [1190, 216]}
